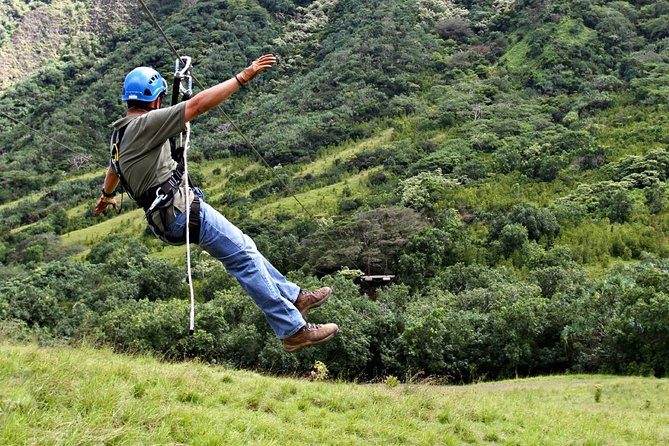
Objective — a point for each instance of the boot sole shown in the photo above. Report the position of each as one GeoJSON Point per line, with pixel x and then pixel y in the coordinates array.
{"type": "Point", "coordinates": [294, 348]}
{"type": "Point", "coordinates": [316, 305]}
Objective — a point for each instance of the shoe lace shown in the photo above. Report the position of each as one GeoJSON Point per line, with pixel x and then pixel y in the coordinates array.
{"type": "Point", "coordinates": [311, 326]}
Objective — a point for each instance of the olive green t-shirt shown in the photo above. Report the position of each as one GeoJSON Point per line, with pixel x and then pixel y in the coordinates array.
{"type": "Point", "coordinates": [144, 154]}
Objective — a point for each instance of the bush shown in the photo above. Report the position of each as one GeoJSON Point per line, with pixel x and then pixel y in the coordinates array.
{"type": "Point", "coordinates": [541, 224]}
{"type": "Point", "coordinates": [35, 306]}
{"type": "Point", "coordinates": [620, 327]}
{"type": "Point", "coordinates": [159, 279]}
{"type": "Point", "coordinates": [350, 205]}
{"type": "Point", "coordinates": [456, 28]}
{"type": "Point", "coordinates": [512, 237]}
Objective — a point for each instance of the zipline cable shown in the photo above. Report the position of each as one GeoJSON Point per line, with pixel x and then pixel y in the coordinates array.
{"type": "Point", "coordinates": [220, 109]}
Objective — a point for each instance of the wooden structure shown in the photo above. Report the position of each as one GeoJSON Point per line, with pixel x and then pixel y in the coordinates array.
{"type": "Point", "coordinates": [369, 283]}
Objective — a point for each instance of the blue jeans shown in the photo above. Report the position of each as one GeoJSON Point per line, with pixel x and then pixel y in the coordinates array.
{"type": "Point", "coordinates": [268, 288]}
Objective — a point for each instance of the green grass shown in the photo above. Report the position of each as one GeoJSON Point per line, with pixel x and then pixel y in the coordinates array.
{"type": "Point", "coordinates": [131, 223]}
{"type": "Point", "coordinates": [65, 396]}
{"type": "Point", "coordinates": [569, 30]}
{"type": "Point", "coordinates": [320, 202]}
{"type": "Point", "coordinates": [506, 190]}
{"type": "Point", "coordinates": [23, 228]}
{"type": "Point", "coordinates": [516, 56]}
{"type": "Point", "coordinates": [173, 254]}
{"type": "Point", "coordinates": [326, 160]}
{"type": "Point", "coordinates": [215, 184]}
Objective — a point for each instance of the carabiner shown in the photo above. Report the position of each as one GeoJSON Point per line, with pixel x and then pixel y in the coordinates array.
{"type": "Point", "coordinates": [156, 202]}
{"type": "Point", "coordinates": [183, 74]}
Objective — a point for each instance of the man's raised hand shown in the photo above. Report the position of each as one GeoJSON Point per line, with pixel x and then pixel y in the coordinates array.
{"type": "Point", "coordinates": [260, 64]}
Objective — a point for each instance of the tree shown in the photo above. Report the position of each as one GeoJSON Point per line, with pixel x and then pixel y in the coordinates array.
{"type": "Point", "coordinates": [423, 256]}
{"type": "Point", "coordinates": [59, 220]}
{"type": "Point", "coordinates": [618, 206]}
{"type": "Point", "coordinates": [456, 28]}
{"type": "Point", "coordinates": [512, 237]}
{"type": "Point", "coordinates": [424, 190]}
{"type": "Point", "coordinates": [541, 224]}
{"type": "Point", "coordinates": [370, 241]}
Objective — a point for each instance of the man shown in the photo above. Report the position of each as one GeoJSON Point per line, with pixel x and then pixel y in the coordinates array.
{"type": "Point", "coordinates": [143, 162]}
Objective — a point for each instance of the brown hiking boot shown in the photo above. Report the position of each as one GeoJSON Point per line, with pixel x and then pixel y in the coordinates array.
{"type": "Point", "coordinates": [312, 299]}
{"type": "Point", "coordinates": [310, 334]}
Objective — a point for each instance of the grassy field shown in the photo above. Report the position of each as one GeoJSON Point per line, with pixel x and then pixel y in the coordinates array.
{"type": "Point", "coordinates": [326, 160]}
{"type": "Point", "coordinates": [131, 222]}
{"type": "Point", "coordinates": [38, 194]}
{"type": "Point", "coordinates": [321, 202]}
{"type": "Point", "coordinates": [65, 396]}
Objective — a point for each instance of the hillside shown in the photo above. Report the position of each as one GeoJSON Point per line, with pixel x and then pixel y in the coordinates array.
{"type": "Point", "coordinates": [36, 33]}
{"type": "Point", "coordinates": [85, 397]}
{"type": "Point", "coordinates": [505, 160]}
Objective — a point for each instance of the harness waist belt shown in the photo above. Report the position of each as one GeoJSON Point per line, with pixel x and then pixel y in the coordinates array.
{"type": "Point", "coordinates": [150, 202]}
{"type": "Point", "coordinates": [167, 188]}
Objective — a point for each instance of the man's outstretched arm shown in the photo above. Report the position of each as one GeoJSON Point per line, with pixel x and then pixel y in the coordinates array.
{"type": "Point", "coordinates": [211, 97]}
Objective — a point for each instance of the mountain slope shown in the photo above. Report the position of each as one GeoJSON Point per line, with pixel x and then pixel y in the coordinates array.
{"type": "Point", "coordinates": [505, 161]}
{"type": "Point", "coordinates": [39, 34]}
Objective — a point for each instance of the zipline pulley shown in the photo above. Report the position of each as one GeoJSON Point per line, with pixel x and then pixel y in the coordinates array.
{"type": "Point", "coordinates": [182, 87]}
{"type": "Point", "coordinates": [183, 79]}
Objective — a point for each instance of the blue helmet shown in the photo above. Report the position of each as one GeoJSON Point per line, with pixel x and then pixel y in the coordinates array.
{"type": "Point", "coordinates": [143, 84]}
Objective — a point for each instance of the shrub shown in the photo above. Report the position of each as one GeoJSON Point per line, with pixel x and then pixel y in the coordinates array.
{"type": "Point", "coordinates": [512, 237]}
{"type": "Point", "coordinates": [350, 205]}
{"type": "Point", "coordinates": [35, 306]}
{"type": "Point", "coordinates": [456, 28]}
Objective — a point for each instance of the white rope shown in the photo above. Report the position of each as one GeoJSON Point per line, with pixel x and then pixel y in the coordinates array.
{"type": "Point", "coordinates": [187, 189]}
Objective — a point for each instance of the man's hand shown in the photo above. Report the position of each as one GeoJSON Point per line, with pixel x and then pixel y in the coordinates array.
{"type": "Point", "coordinates": [260, 64]}
{"type": "Point", "coordinates": [103, 205]}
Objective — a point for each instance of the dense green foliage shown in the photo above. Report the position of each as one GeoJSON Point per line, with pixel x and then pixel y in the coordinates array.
{"type": "Point", "coordinates": [467, 323]}
{"type": "Point", "coordinates": [506, 160]}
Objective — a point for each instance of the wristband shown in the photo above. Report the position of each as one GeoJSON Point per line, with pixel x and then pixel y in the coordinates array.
{"type": "Point", "coordinates": [238, 81]}
{"type": "Point", "coordinates": [106, 195]}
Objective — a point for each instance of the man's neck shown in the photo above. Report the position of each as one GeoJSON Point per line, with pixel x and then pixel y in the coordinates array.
{"type": "Point", "coordinates": [134, 111]}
